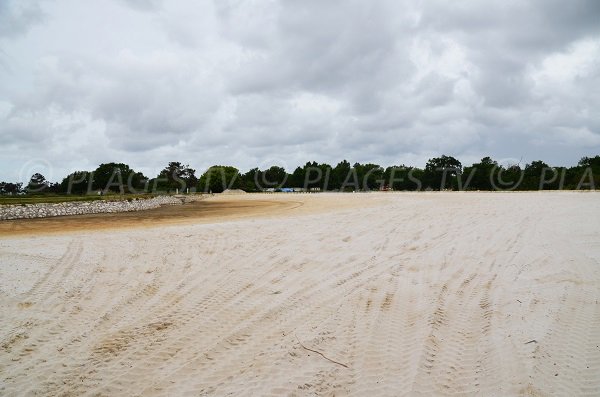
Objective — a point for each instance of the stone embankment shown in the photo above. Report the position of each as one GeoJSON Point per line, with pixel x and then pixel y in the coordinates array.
{"type": "Point", "coordinates": [43, 210]}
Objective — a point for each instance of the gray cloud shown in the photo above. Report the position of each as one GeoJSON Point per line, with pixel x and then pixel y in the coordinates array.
{"type": "Point", "coordinates": [143, 5]}
{"type": "Point", "coordinates": [16, 17]}
{"type": "Point", "coordinates": [252, 82]}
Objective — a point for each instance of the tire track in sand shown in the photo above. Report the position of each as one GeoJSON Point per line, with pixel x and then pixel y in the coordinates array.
{"type": "Point", "coordinates": [458, 352]}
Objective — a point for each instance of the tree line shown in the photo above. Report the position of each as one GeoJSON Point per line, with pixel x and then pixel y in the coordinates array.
{"type": "Point", "coordinates": [440, 173]}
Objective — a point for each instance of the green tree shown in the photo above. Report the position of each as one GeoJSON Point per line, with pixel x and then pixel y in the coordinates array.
{"type": "Point", "coordinates": [10, 188]}
{"type": "Point", "coordinates": [176, 177]}
{"type": "Point", "coordinates": [339, 174]}
{"type": "Point", "coordinates": [480, 175]}
{"type": "Point", "coordinates": [370, 176]}
{"type": "Point", "coordinates": [296, 179]}
{"type": "Point", "coordinates": [508, 178]}
{"type": "Point", "coordinates": [533, 174]}
{"type": "Point", "coordinates": [312, 175]}
{"type": "Point", "coordinates": [118, 178]}
{"type": "Point", "coordinates": [37, 184]}
{"type": "Point", "coordinates": [442, 173]}
{"type": "Point", "coordinates": [586, 175]}
{"type": "Point", "coordinates": [593, 162]}
{"type": "Point", "coordinates": [218, 178]}
{"type": "Point", "coordinates": [402, 177]}
{"type": "Point", "coordinates": [78, 182]}
{"type": "Point", "coordinates": [273, 177]}
{"type": "Point", "coordinates": [249, 180]}
{"type": "Point", "coordinates": [325, 176]}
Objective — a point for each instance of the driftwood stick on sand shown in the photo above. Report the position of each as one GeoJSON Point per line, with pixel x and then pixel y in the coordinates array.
{"type": "Point", "coordinates": [318, 352]}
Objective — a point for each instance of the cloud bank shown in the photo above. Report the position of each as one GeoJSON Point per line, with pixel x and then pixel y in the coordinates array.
{"type": "Point", "coordinates": [262, 82]}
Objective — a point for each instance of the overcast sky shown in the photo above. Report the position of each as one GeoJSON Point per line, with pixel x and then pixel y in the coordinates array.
{"type": "Point", "coordinates": [263, 82]}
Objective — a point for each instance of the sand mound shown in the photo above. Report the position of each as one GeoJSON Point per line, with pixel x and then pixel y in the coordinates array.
{"type": "Point", "coordinates": [233, 191]}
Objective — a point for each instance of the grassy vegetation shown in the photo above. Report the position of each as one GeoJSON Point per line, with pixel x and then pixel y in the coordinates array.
{"type": "Point", "coordinates": [26, 199]}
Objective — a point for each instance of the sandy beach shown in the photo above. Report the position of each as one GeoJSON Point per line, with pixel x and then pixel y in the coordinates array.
{"type": "Point", "coordinates": [381, 294]}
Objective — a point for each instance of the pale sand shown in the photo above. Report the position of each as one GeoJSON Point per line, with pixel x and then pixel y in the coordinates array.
{"type": "Point", "coordinates": [415, 294]}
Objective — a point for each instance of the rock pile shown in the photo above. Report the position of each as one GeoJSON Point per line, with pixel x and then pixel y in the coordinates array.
{"type": "Point", "coordinates": [43, 210]}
